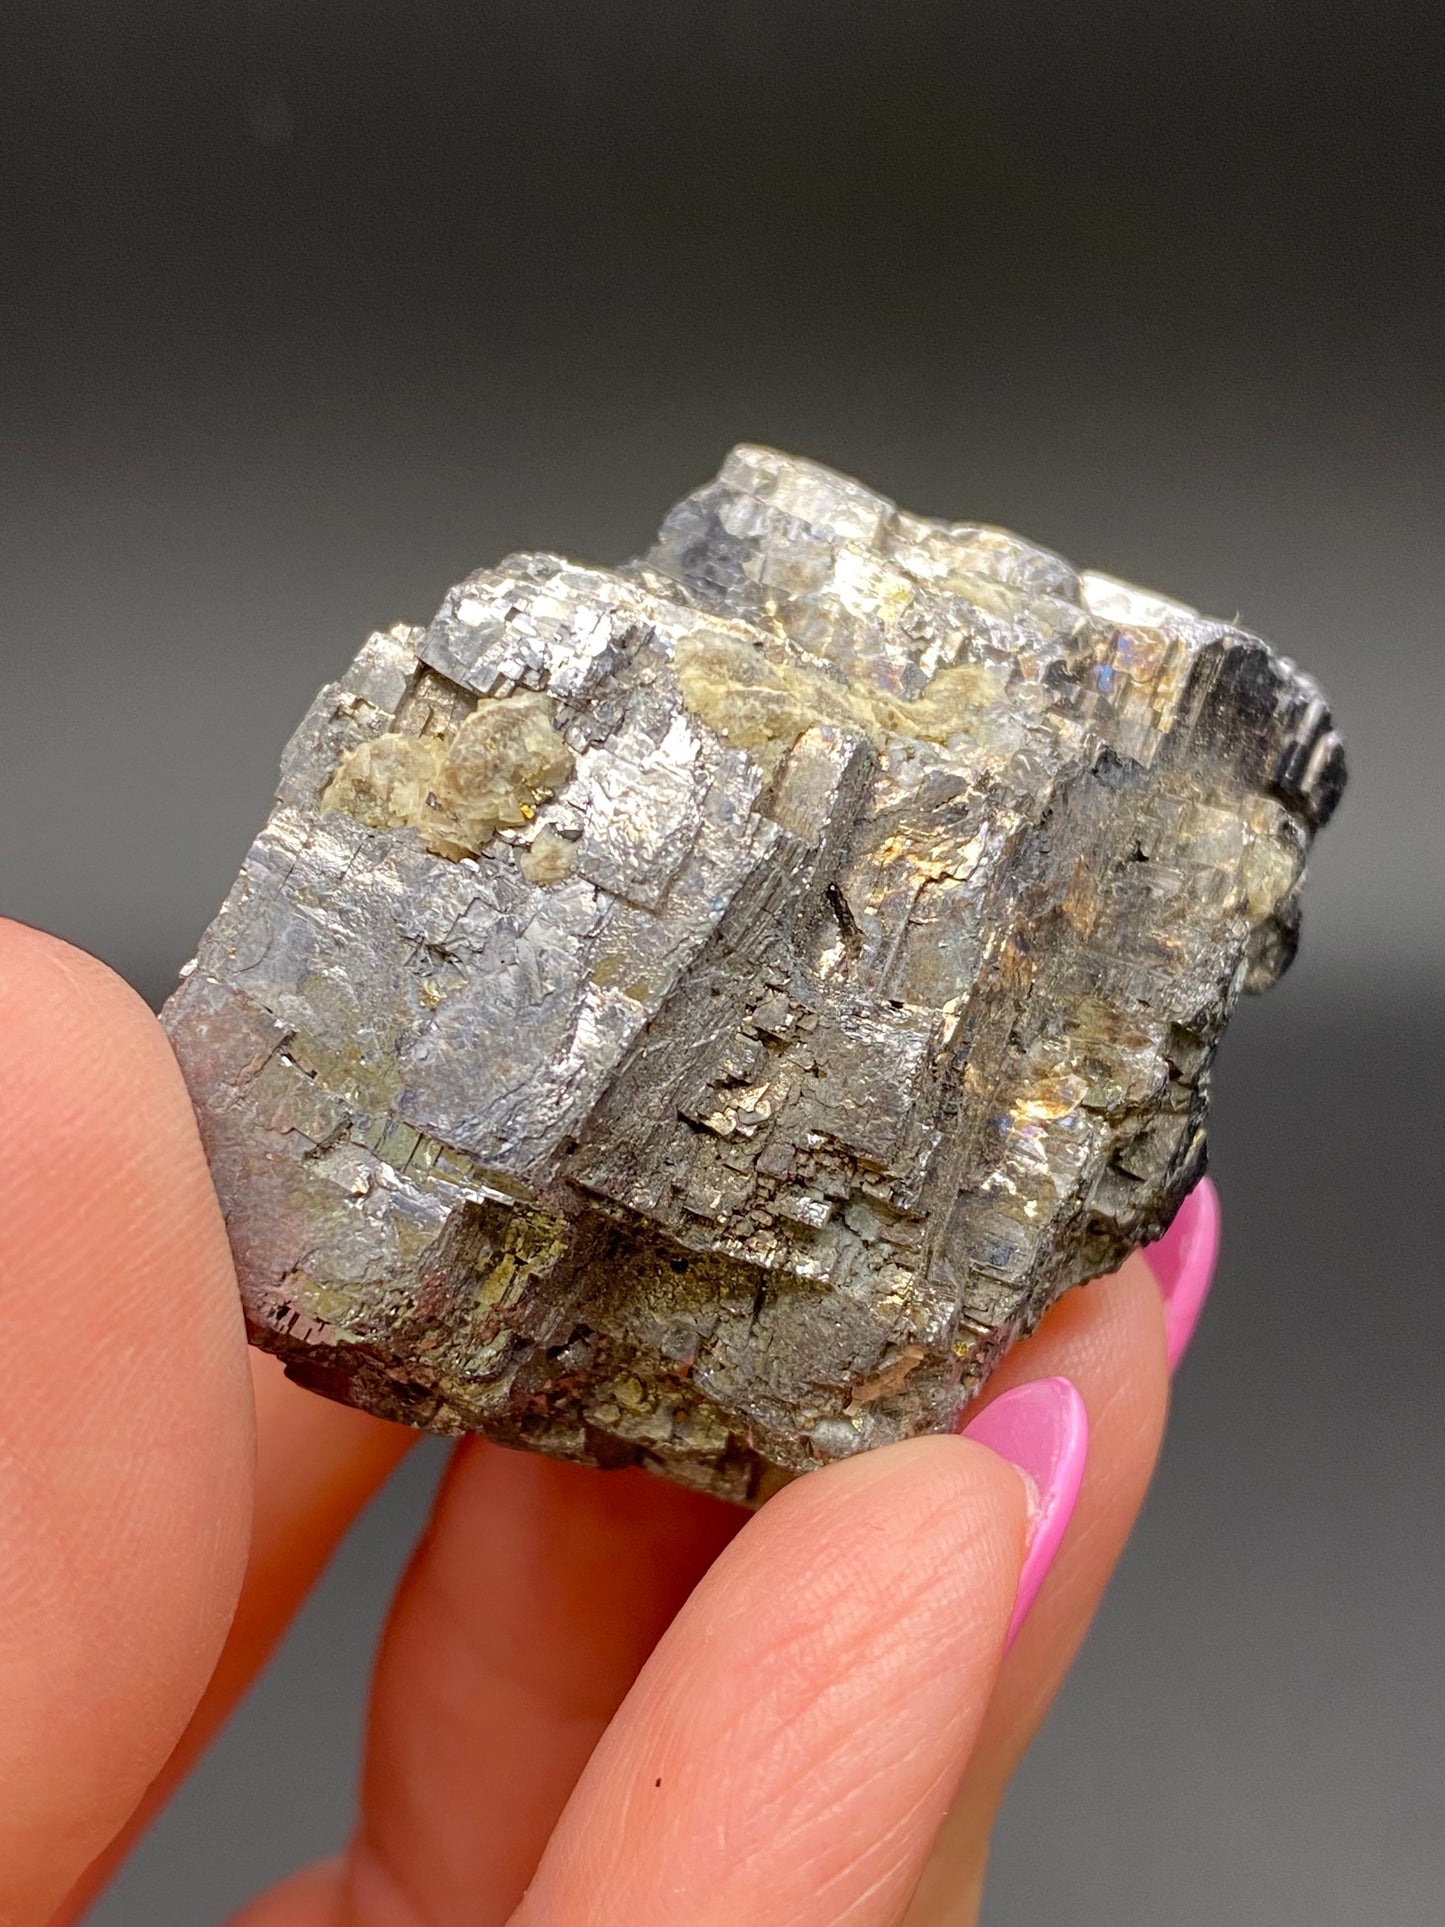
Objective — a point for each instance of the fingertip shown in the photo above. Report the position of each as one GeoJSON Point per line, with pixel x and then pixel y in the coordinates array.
{"type": "Point", "coordinates": [1107, 1338]}
{"type": "Point", "coordinates": [1183, 1262]}
{"type": "Point", "coordinates": [937, 1523]}
{"type": "Point", "coordinates": [791, 1746]}
{"type": "Point", "coordinates": [51, 994]}
{"type": "Point", "coordinates": [1042, 1427]}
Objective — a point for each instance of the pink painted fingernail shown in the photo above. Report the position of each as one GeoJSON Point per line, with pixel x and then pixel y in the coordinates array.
{"type": "Point", "coordinates": [1183, 1263]}
{"type": "Point", "coordinates": [1041, 1428]}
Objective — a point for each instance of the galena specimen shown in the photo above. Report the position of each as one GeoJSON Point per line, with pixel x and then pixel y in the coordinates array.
{"type": "Point", "coordinates": [700, 1013]}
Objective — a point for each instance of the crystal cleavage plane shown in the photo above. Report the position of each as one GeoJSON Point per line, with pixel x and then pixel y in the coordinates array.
{"type": "Point", "coordinates": [698, 1014]}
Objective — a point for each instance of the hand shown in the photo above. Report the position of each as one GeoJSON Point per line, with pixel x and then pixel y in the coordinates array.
{"type": "Point", "coordinates": [657, 1712]}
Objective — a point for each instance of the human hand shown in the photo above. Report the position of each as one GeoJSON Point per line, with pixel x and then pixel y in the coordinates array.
{"type": "Point", "coordinates": [652, 1709]}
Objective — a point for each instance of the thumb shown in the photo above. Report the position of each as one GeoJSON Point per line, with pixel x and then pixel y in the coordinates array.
{"type": "Point", "coordinates": [792, 1745]}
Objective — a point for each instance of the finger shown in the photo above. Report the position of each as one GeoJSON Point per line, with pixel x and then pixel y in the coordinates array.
{"type": "Point", "coordinates": [536, 1595]}
{"type": "Point", "coordinates": [460, 1845]}
{"type": "Point", "coordinates": [311, 1898]}
{"type": "Point", "coordinates": [791, 1747]}
{"type": "Point", "coordinates": [1108, 1337]}
{"type": "Point", "coordinates": [125, 1414]}
{"type": "Point", "coordinates": [317, 1464]}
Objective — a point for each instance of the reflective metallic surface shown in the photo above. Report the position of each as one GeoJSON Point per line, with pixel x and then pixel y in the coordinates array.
{"type": "Point", "coordinates": [701, 1013]}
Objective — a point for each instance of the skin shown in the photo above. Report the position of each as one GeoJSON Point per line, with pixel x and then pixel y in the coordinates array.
{"type": "Point", "coordinates": [665, 1711]}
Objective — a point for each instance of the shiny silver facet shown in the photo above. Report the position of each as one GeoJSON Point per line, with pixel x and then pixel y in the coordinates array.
{"type": "Point", "coordinates": [717, 1058]}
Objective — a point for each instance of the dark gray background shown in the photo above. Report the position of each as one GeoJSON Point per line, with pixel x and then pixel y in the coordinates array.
{"type": "Point", "coordinates": [310, 308]}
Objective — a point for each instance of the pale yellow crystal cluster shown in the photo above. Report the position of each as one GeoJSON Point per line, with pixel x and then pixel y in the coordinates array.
{"type": "Point", "coordinates": [459, 788]}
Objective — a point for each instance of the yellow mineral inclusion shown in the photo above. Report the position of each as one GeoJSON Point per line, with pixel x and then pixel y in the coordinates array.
{"type": "Point", "coordinates": [763, 703]}
{"type": "Point", "coordinates": [1273, 863]}
{"type": "Point", "coordinates": [458, 789]}
{"type": "Point", "coordinates": [548, 858]}
{"type": "Point", "coordinates": [388, 780]}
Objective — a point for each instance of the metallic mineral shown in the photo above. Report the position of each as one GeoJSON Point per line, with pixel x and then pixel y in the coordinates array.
{"type": "Point", "coordinates": [698, 1014]}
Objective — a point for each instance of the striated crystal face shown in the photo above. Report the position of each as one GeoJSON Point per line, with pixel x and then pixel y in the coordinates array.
{"type": "Point", "coordinates": [700, 1013]}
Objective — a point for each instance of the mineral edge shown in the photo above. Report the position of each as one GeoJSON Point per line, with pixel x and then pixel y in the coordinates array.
{"type": "Point", "coordinates": [700, 1013]}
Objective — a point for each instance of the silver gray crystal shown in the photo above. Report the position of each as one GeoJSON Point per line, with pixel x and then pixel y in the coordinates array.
{"type": "Point", "coordinates": [700, 1013]}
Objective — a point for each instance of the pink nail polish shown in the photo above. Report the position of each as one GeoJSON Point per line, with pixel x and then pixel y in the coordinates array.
{"type": "Point", "coordinates": [1041, 1428]}
{"type": "Point", "coordinates": [1183, 1263]}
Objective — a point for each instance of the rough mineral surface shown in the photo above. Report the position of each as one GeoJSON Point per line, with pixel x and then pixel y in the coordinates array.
{"type": "Point", "coordinates": [700, 1013]}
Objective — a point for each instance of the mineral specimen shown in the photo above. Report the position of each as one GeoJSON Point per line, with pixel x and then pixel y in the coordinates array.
{"type": "Point", "coordinates": [700, 1013]}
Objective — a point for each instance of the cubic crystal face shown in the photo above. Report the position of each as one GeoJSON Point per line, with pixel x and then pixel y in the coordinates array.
{"type": "Point", "coordinates": [700, 1013]}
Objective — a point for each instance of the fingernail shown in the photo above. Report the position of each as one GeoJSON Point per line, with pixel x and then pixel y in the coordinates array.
{"type": "Point", "coordinates": [1041, 1428]}
{"type": "Point", "coordinates": [1183, 1263]}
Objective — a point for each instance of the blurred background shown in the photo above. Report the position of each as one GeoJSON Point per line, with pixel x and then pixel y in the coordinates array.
{"type": "Point", "coordinates": [311, 306]}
